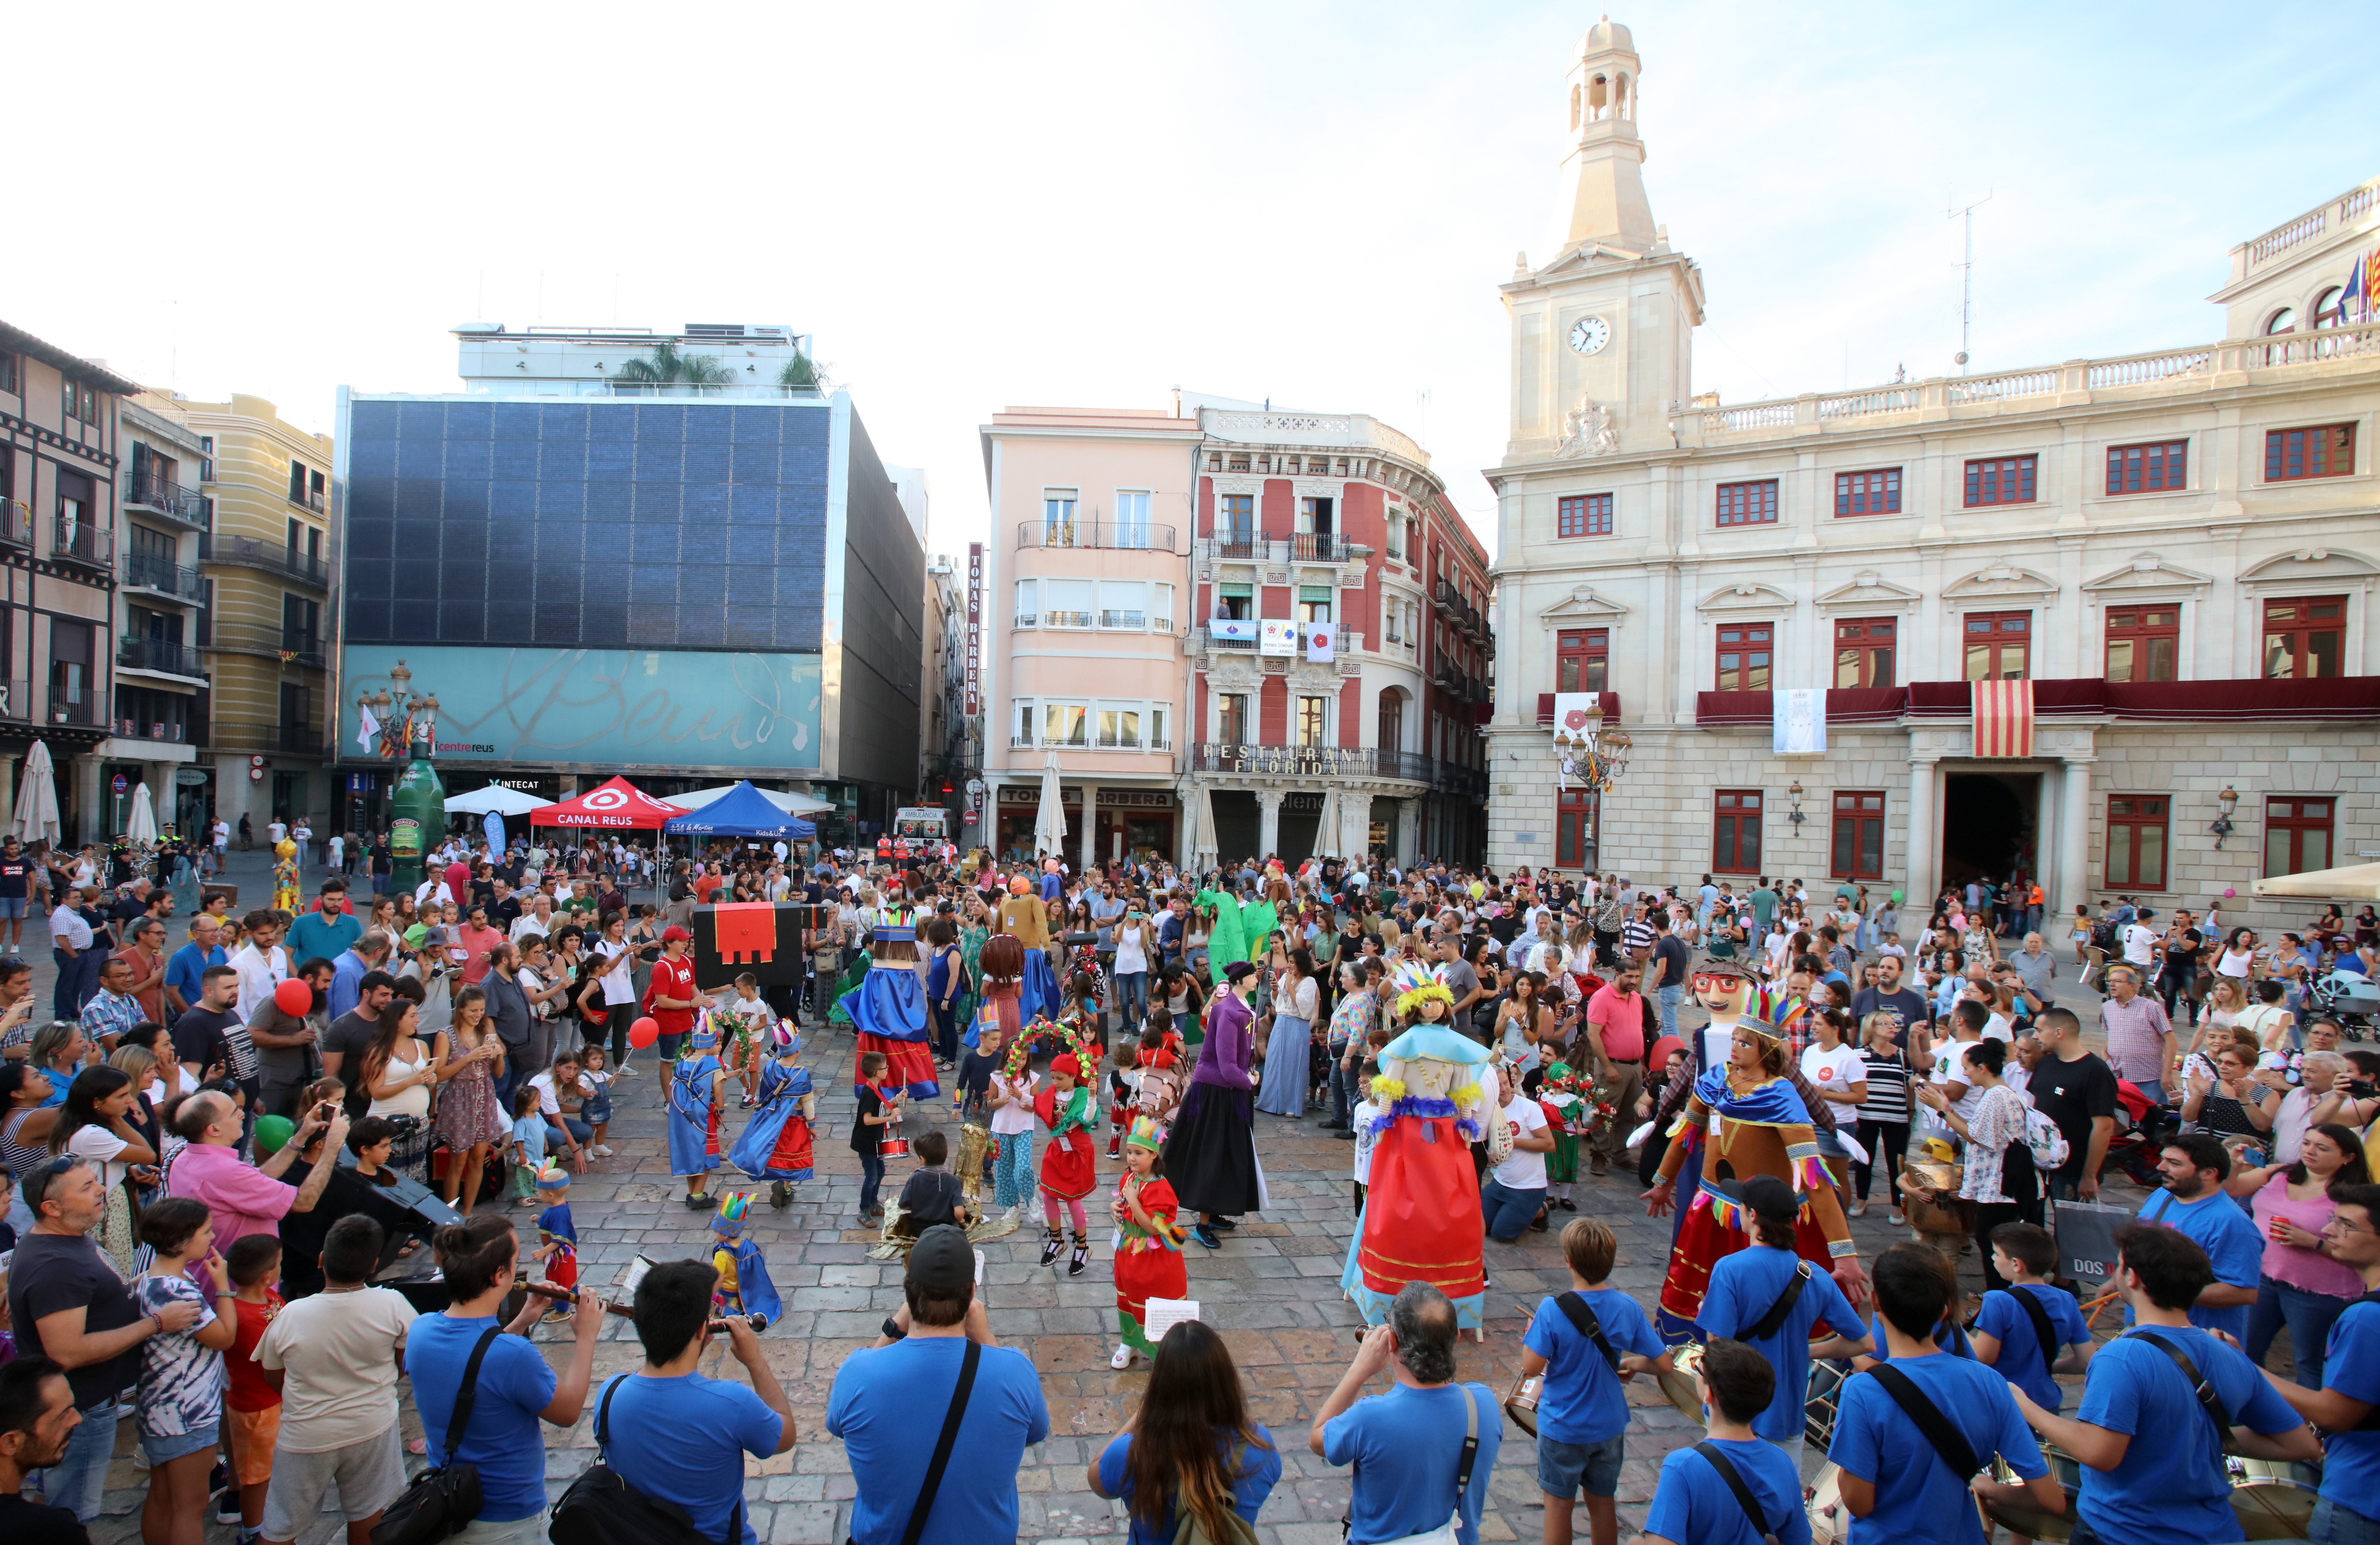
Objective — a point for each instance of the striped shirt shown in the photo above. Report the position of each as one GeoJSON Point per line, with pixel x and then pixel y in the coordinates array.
{"type": "Point", "coordinates": [1638, 937]}
{"type": "Point", "coordinates": [1887, 1086]}
{"type": "Point", "coordinates": [2135, 1039]}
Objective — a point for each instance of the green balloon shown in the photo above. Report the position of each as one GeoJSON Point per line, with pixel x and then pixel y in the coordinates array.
{"type": "Point", "coordinates": [271, 1134]}
{"type": "Point", "coordinates": [1895, 898]}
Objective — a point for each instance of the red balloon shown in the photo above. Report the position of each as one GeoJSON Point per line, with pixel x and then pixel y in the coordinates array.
{"type": "Point", "coordinates": [644, 1032]}
{"type": "Point", "coordinates": [294, 998]}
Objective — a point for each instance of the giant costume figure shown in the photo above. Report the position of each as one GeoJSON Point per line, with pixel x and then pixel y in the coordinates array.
{"type": "Point", "coordinates": [888, 1007]}
{"type": "Point", "coordinates": [1742, 1118]}
{"type": "Point", "coordinates": [1024, 915]}
{"type": "Point", "coordinates": [1421, 1220]}
{"type": "Point", "coordinates": [775, 1145]}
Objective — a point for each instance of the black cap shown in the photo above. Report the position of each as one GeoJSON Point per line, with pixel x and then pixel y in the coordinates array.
{"type": "Point", "coordinates": [1770, 1199]}
{"type": "Point", "coordinates": [942, 1264]}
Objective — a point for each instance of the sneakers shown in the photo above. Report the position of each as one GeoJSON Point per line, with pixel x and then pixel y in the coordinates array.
{"type": "Point", "coordinates": [1204, 1235]}
{"type": "Point", "coordinates": [1226, 1224]}
{"type": "Point", "coordinates": [1081, 1259]}
{"type": "Point", "coordinates": [1122, 1358]}
{"type": "Point", "coordinates": [1052, 1243]}
{"type": "Point", "coordinates": [626, 1070]}
{"type": "Point", "coordinates": [601, 1151]}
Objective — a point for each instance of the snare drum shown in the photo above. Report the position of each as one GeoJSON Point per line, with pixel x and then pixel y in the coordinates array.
{"type": "Point", "coordinates": [1679, 1385]}
{"type": "Point", "coordinates": [1932, 1204]}
{"type": "Point", "coordinates": [1818, 1411]}
{"type": "Point", "coordinates": [1830, 1521]}
{"type": "Point", "coordinates": [2272, 1498]}
{"type": "Point", "coordinates": [1523, 1407]}
{"type": "Point", "coordinates": [2023, 1517]}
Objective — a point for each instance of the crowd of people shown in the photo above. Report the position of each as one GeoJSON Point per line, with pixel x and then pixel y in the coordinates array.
{"type": "Point", "coordinates": [204, 1139]}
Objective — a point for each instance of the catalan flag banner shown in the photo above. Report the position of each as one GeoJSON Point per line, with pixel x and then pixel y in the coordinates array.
{"type": "Point", "coordinates": [2003, 713]}
{"type": "Point", "coordinates": [2355, 297]}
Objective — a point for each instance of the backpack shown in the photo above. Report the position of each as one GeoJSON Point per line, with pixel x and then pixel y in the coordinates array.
{"type": "Point", "coordinates": [2103, 935]}
{"type": "Point", "coordinates": [2048, 1145]}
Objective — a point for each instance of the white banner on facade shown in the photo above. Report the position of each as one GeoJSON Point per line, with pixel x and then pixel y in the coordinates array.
{"type": "Point", "coordinates": [1321, 640]}
{"type": "Point", "coordinates": [1798, 722]}
{"type": "Point", "coordinates": [1277, 638]}
{"type": "Point", "coordinates": [1574, 712]}
{"type": "Point", "coordinates": [1239, 629]}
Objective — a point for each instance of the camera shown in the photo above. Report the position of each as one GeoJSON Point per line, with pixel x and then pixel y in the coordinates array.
{"type": "Point", "coordinates": [2362, 1089]}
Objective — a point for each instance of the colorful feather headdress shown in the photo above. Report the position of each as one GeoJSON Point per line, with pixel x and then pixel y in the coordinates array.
{"type": "Point", "coordinates": [732, 1209]}
{"type": "Point", "coordinates": [1415, 984]}
{"type": "Point", "coordinates": [1146, 1134]}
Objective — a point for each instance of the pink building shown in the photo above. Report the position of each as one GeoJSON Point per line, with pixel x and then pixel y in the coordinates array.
{"type": "Point", "coordinates": [1085, 597]}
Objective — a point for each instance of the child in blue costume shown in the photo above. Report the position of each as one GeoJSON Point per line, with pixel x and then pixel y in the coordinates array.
{"type": "Point", "coordinates": [557, 1238]}
{"type": "Point", "coordinates": [888, 1008]}
{"type": "Point", "coordinates": [744, 1284]}
{"type": "Point", "coordinates": [775, 1145]}
{"type": "Point", "coordinates": [693, 1112]}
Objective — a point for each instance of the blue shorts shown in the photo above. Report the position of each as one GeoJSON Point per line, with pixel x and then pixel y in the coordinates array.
{"type": "Point", "coordinates": [1564, 1468]}
{"type": "Point", "coordinates": [12, 909]}
{"type": "Point", "coordinates": [165, 1449]}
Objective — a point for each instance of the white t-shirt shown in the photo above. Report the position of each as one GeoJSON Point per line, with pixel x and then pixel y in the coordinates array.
{"type": "Point", "coordinates": [1360, 1117]}
{"type": "Point", "coordinates": [1949, 1065]}
{"type": "Point", "coordinates": [1523, 1170]}
{"type": "Point", "coordinates": [548, 1101]}
{"type": "Point", "coordinates": [2139, 944]}
{"type": "Point", "coordinates": [339, 1351]}
{"type": "Point", "coordinates": [101, 1146]}
{"type": "Point", "coordinates": [1837, 1070]}
{"type": "Point", "coordinates": [1017, 1114]}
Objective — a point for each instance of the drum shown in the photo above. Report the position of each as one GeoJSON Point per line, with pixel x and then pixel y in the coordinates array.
{"type": "Point", "coordinates": [1522, 1406]}
{"type": "Point", "coordinates": [975, 1141]}
{"type": "Point", "coordinates": [2025, 1519]}
{"type": "Point", "coordinates": [1679, 1385]}
{"type": "Point", "coordinates": [1933, 1207]}
{"type": "Point", "coordinates": [1830, 1521]}
{"type": "Point", "coordinates": [1818, 1411]}
{"type": "Point", "coordinates": [891, 1146]}
{"type": "Point", "coordinates": [2272, 1498]}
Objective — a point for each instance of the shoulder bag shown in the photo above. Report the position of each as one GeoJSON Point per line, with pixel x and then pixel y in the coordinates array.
{"type": "Point", "coordinates": [444, 1497]}
{"type": "Point", "coordinates": [924, 1505]}
{"type": "Point", "coordinates": [602, 1508]}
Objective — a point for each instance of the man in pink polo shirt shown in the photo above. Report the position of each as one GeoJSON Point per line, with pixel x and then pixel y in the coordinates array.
{"type": "Point", "coordinates": [245, 1198]}
{"type": "Point", "coordinates": [1615, 1039]}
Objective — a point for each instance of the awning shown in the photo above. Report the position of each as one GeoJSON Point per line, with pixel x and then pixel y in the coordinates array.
{"type": "Point", "coordinates": [618, 806]}
{"type": "Point", "coordinates": [1241, 590]}
{"type": "Point", "coordinates": [1315, 592]}
{"type": "Point", "coordinates": [2354, 882]}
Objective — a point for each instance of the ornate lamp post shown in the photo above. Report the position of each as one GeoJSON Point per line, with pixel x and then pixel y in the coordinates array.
{"type": "Point", "coordinates": [407, 726]}
{"type": "Point", "coordinates": [1590, 753]}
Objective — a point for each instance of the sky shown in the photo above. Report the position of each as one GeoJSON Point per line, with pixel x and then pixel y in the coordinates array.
{"type": "Point", "coordinates": [973, 207]}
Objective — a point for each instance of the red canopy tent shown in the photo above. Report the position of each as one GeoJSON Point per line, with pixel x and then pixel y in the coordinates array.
{"type": "Point", "coordinates": [618, 806]}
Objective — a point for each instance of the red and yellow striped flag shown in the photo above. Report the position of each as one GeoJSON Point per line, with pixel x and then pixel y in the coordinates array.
{"type": "Point", "coordinates": [2003, 713]}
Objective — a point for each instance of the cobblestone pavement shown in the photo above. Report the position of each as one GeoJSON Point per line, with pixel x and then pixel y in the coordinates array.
{"type": "Point", "coordinates": [1273, 1287]}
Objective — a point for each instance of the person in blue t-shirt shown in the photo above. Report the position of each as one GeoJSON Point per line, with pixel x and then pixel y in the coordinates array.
{"type": "Point", "coordinates": [1743, 1286]}
{"type": "Point", "coordinates": [2194, 1202]}
{"type": "Point", "coordinates": [2348, 1509]}
{"type": "Point", "coordinates": [185, 971]}
{"type": "Point", "coordinates": [890, 1400]}
{"type": "Point", "coordinates": [1406, 1445]}
{"type": "Point", "coordinates": [1582, 1410]}
{"type": "Point", "coordinates": [2152, 1457]}
{"type": "Point", "coordinates": [1192, 1437]}
{"type": "Point", "coordinates": [2008, 1337]}
{"type": "Point", "coordinates": [675, 1435]}
{"type": "Point", "coordinates": [1893, 1482]}
{"type": "Point", "coordinates": [1692, 1504]}
{"type": "Point", "coordinates": [515, 1389]}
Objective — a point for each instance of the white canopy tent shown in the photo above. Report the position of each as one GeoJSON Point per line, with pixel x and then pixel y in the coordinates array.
{"type": "Point", "coordinates": [2354, 882]}
{"type": "Point", "coordinates": [495, 800]}
{"type": "Point", "coordinates": [792, 803]}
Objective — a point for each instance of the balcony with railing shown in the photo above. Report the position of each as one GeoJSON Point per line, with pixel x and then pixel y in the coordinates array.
{"type": "Point", "coordinates": [273, 557]}
{"type": "Point", "coordinates": [1309, 761]}
{"type": "Point", "coordinates": [148, 571]}
{"type": "Point", "coordinates": [1239, 544]}
{"type": "Point", "coordinates": [158, 655]}
{"type": "Point", "coordinates": [1320, 547]}
{"type": "Point", "coordinates": [79, 542]}
{"type": "Point", "coordinates": [72, 707]}
{"type": "Point", "coordinates": [288, 645]}
{"type": "Point", "coordinates": [15, 526]}
{"type": "Point", "coordinates": [2249, 700]}
{"type": "Point", "coordinates": [166, 730]}
{"type": "Point", "coordinates": [1109, 535]}
{"type": "Point", "coordinates": [1209, 637]}
{"type": "Point", "coordinates": [146, 493]}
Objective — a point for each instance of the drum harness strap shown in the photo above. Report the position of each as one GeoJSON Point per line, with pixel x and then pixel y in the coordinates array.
{"type": "Point", "coordinates": [2043, 1333]}
{"type": "Point", "coordinates": [1717, 1460]}
{"type": "Point", "coordinates": [2207, 1399]}
{"type": "Point", "coordinates": [1581, 1319]}
{"type": "Point", "coordinates": [1948, 1442]}
{"type": "Point", "coordinates": [1774, 1320]}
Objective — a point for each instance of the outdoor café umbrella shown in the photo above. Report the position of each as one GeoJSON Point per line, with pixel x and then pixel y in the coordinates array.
{"type": "Point", "coordinates": [1050, 820]}
{"type": "Point", "coordinates": [142, 824]}
{"type": "Point", "coordinates": [37, 798]}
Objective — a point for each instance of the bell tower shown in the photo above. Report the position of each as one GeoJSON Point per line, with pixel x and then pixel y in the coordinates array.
{"type": "Point", "coordinates": [1602, 333]}
{"type": "Point", "coordinates": [1604, 164]}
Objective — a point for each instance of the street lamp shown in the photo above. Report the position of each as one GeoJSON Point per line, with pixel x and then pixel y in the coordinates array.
{"type": "Point", "coordinates": [1589, 752]}
{"type": "Point", "coordinates": [2225, 802]}
{"type": "Point", "coordinates": [402, 720]}
{"type": "Point", "coordinates": [1794, 794]}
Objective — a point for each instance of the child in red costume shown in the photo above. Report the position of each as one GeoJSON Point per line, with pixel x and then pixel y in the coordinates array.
{"type": "Point", "coordinates": [1068, 1166]}
{"type": "Point", "coordinates": [1149, 1262]}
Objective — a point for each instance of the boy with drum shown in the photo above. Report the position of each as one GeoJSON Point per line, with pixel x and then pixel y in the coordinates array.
{"type": "Point", "coordinates": [1586, 1343]}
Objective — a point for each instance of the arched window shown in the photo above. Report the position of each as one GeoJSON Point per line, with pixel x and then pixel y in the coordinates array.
{"type": "Point", "coordinates": [1624, 103]}
{"type": "Point", "coordinates": [1574, 107]}
{"type": "Point", "coordinates": [1598, 98]}
{"type": "Point", "coordinates": [2283, 321]}
{"type": "Point", "coordinates": [2325, 310]}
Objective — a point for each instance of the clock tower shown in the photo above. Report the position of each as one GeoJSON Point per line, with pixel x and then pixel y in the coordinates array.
{"type": "Point", "coordinates": [1602, 333]}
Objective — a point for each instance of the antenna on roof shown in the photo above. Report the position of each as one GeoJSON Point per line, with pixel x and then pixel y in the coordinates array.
{"type": "Point", "coordinates": [1967, 275]}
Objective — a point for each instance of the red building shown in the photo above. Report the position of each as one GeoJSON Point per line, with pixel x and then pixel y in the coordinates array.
{"type": "Point", "coordinates": [1342, 644]}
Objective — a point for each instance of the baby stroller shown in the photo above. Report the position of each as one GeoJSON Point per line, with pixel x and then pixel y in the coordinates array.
{"type": "Point", "coordinates": [2352, 1000]}
{"type": "Point", "coordinates": [2139, 1138]}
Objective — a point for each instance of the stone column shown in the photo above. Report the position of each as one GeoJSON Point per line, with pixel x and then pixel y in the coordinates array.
{"type": "Point", "coordinates": [1924, 842]}
{"type": "Point", "coordinates": [2073, 839]}
{"type": "Point", "coordinates": [1408, 844]}
{"type": "Point", "coordinates": [1090, 828]}
{"type": "Point", "coordinates": [91, 800]}
{"type": "Point", "coordinates": [1269, 823]}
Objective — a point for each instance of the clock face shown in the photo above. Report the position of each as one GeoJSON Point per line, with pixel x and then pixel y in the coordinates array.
{"type": "Point", "coordinates": [1588, 334]}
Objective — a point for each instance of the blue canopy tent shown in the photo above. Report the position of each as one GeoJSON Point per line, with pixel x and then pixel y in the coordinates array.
{"type": "Point", "coordinates": [742, 811]}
